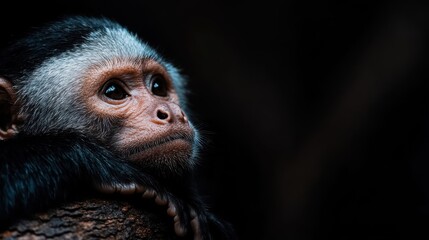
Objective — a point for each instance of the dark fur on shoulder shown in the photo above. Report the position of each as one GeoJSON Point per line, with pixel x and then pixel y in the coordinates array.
{"type": "Point", "coordinates": [38, 171]}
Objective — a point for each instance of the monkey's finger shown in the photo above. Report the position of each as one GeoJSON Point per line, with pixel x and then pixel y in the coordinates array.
{"type": "Point", "coordinates": [104, 188]}
{"type": "Point", "coordinates": [140, 188]}
{"type": "Point", "coordinates": [160, 200]}
{"type": "Point", "coordinates": [180, 213]}
{"type": "Point", "coordinates": [171, 210]}
{"type": "Point", "coordinates": [195, 225]}
{"type": "Point", "coordinates": [126, 189]}
{"type": "Point", "coordinates": [130, 188]}
{"type": "Point", "coordinates": [149, 193]}
{"type": "Point", "coordinates": [178, 229]}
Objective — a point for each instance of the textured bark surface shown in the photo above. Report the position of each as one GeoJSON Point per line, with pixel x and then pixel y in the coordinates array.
{"type": "Point", "coordinates": [96, 219]}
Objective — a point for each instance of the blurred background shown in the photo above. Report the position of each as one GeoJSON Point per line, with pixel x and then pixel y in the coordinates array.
{"type": "Point", "coordinates": [316, 115]}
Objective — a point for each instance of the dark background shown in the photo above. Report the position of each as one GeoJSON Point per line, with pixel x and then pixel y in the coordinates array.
{"type": "Point", "coordinates": [315, 114]}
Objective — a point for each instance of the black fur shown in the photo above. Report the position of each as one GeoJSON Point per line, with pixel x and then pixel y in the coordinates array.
{"type": "Point", "coordinates": [47, 41]}
{"type": "Point", "coordinates": [39, 171]}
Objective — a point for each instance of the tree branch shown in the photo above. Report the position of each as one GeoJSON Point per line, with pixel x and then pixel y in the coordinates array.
{"type": "Point", "coordinates": [96, 219]}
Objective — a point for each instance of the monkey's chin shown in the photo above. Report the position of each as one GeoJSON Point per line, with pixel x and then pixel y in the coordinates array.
{"type": "Point", "coordinates": [167, 159]}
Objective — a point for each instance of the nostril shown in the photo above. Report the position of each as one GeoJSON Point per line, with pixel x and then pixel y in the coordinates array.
{"type": "Point", "coordinates": [161, 115]}
{"type": "Point", "coordinates": [183, 117]}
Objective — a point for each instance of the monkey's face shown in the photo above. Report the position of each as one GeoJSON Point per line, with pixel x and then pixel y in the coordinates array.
{"type": "Point", "coordinates": [108, 85]}
{"type": "Point", "coordinates": [140, 97]}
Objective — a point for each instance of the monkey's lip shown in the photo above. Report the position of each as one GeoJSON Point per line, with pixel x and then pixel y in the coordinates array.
{"type": "Point", "coordinates": [171, 144]}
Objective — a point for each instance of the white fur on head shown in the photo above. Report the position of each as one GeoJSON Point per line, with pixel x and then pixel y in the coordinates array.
{"type": "Point", "coordinates": [49, 94]}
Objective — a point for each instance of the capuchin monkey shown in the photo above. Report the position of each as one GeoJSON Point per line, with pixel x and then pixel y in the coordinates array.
{"type": "Point", "coordinates": [83, 100]}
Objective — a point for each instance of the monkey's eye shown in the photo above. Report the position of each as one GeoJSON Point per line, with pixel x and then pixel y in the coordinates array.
{"type": "Point", "coordinates": [159, 86]}
{"type": "Point", "coordinates": [113, 90]}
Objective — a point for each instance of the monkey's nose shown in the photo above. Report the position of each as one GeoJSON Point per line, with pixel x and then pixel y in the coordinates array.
{"type": "Point", "coordinates": [170, 113]}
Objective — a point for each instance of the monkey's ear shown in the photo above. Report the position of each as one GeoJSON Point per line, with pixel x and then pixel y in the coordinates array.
{"type": "Point", "coordinates": [7, 111]}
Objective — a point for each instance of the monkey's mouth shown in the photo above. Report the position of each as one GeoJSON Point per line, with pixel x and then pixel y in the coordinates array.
{"type": "Point", "coordinates": [175, 144]}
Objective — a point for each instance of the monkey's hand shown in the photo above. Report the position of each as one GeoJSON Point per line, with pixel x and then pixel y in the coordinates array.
{"type": "Point", "coordinates": [206, 225]}
{"type": "Point", "coordinates": [192, 221]}
{"type": "Point", "coordinates": [184, 218]}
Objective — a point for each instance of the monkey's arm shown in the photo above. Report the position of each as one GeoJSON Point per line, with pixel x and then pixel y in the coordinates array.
{"type": "Point", "coordinates": [37, 172]}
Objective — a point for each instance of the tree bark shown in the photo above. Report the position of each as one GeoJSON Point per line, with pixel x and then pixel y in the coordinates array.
{"type": "Point", "coordinates": [96, 219]}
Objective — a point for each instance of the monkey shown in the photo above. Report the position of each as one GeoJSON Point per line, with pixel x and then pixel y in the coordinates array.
{"type": "Point", "coordinates": [85, 100]}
